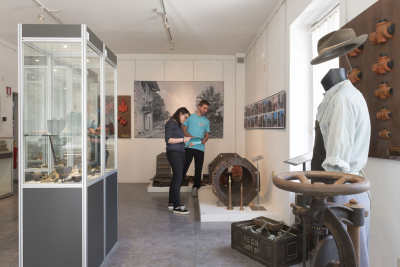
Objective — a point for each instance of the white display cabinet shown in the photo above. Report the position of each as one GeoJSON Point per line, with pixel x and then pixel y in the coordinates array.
{"type": "Point", "coordinates": [68, 162]}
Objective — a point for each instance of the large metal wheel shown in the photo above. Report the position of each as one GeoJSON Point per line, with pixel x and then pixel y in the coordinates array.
{"type": "Point", "coordinates": [328, 183]}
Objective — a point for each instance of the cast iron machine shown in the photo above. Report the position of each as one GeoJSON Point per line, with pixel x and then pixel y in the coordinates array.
{"type": "Point", "coordinates": [332, 245]}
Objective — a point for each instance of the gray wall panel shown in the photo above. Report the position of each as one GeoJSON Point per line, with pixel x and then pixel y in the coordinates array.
{"type": "Point", "coordinates": [95, 226]}
{"type": "Point", "coordinates": [111, 211]}
{"type": "Point", "coordinates": [52, 227]}
{"type": "Point", "coordinates": [111, 56]}
{"type": "Point", "coordinates": [95, 40]}
{"type": "Point", "coordinates": [51, 30]}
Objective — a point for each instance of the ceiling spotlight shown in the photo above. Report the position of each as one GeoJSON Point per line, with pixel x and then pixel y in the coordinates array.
{"type": "Point", "coordinates": [112, 78]}
{"type": "Point", "coordinates": [65, 46]}
{"type": "Point", "coordinates": [33, 77]}
{"type": "Point", "coordinates": [166, 24]}
{"type": "Point", "coordinates": [37, 60]}
{"type": "Point", "coordinates": [87, 60]}
{"type": "Point", "coordinates": [41, 16]}
{"type": "Point", "coordinates": [65, 88]}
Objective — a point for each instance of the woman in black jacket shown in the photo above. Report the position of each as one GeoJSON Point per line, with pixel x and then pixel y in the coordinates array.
{"type": "Point", "coordinates": [175, 139]}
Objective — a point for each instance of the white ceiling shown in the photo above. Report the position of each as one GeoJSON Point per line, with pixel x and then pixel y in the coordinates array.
{"type": "Point", "coordinates": [207, 27]}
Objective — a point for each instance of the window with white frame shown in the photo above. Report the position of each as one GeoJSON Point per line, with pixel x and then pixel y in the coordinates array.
{"type": "Point", "coordinates": [328, 24]}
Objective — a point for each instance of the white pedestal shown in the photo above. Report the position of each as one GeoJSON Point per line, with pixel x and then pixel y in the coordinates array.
{"type": "Point", "coordinates": [210, 211]}
{"type": "Point", "coordinates": [156, 189]}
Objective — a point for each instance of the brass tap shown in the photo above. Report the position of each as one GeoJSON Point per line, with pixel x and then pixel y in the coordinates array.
{"type": "Point", "coordinates": [384, 114]}
{"type": "Point", "coordinates": [384, 31]}
{"type": "Point", "coordinates": [384, 65]}
{"type": "Point", "coordinates": [384, 91]}
{"type": "Point", "coordinates": [385, 133]}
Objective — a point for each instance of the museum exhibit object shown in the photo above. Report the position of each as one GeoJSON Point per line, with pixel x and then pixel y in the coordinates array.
{"type": "Point", "coordinates": [384, 65]}
{"type": "Point", "coordinates": [243, 172]}
{"type": "Point", "coordinates": [68, 194]}
{"type": "Point", "coordinates": [267, 241]}
{"type": "Point", "coordinates": [384, 91]}
{"type": "Point", "coordinates": [332, 245]}
{"type": "Point", "coordinates": [384, 114]}
{"type": "Point", "coordinates": [356, 51]}
{"type": "Point", "coordinates": [257, 159]}
{"type": "Point", "coordinates": [384, 31]}
{"type": "Point", "coordinates": [355, 75]}
{"type": "Point", "coordinates": [385, 133]}
{"type": "Point", "coordinates": [163, 176]}
{"type": "Point", "coordinates": [6, 167]}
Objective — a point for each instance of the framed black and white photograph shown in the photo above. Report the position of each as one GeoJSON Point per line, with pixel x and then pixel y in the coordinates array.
{"type": "Point", "coordinates": [260, 108]}
{"type": "Point", "coordinates": [156, 102]}
{"type": "Point", "coordinates": [255, 108]}
{"type": "Point", "coordinates": [269, 120]}
{"type": "Point", "coordinates": [268, 113]}
{"type": "Point", "coordinates": [265, 105]}
{"type": "Point", "coordinates": [275, 119]}
{"type": "Point", "coordinates": [281, 118]}
{"type": "Point", "coordinates": [275, 103]}
{"type": "Point", "coordinates": [261, 120]}
{"type": "Point", "coordinates": [269, 104]}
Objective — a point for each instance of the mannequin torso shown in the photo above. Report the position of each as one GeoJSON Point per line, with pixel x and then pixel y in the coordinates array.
{"type": "Point", "coordinates": [333, 77]}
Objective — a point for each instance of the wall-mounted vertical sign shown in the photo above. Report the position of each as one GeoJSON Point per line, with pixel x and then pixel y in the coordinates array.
{"type": "Point", "coordinates": [8, 90]}
{"type": "Point", "coordinates": [124, 116]}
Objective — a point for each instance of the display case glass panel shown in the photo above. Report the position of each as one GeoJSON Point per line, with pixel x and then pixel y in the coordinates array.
{"type": "Point", "coordinates": [94, 109]}
{"type": "Point", "coordinates": [110, 124]}
{"type": "Point", "coordinates": [52, 112]}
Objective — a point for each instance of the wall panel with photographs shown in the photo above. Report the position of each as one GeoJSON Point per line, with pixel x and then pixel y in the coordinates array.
{"type": "Point", "coordinates": [268, 113]}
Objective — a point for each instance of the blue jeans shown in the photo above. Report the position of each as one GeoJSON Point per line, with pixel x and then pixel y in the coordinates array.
{"type": "Point", "coordinates": [177, 160]}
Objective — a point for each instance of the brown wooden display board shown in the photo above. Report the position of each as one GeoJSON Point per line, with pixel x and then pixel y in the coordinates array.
{"type": "Point", "coordinates": [365, 24]}
{"type": "Point", "coordinates": [124, 116]}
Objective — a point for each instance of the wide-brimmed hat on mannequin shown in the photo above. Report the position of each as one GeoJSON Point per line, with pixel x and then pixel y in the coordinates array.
{"type": "Point", "coordinates": [336, 44]}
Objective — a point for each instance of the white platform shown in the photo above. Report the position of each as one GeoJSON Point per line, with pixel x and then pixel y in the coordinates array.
{"type": "Point", "coordinates": [210, 211]}
{"type": "Point", "coordinates": [156, 189]}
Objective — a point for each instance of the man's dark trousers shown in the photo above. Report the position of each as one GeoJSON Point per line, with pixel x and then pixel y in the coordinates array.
{"type": "Point", "coordinates": [198, 156]}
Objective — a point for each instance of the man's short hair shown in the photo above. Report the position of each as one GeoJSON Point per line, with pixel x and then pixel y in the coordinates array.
{"type": "Point", "coordinates": [204, 102]}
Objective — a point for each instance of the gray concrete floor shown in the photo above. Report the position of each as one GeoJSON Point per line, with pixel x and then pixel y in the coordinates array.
{"type": "Point", "coordinates": [149, 234]}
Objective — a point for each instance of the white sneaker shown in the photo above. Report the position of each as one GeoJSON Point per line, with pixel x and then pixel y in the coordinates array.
{"type": "Point", "coordinates": [170, 206]}
{"type": "Point", "coordinates": [195, 192]}
{"type": "Point", "coordinates": [181, 210]}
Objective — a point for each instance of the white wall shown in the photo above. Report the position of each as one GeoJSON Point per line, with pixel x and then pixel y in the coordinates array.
{"type": "Point", "coordinates": [137, 156]}
{"type": "Point", "coordinates": [8, 77]}
{"type": "Point", "coordinates": [385, 184]}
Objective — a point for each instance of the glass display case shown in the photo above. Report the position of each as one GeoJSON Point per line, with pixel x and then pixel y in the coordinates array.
{"type": "Point", "coordinates": [68, 145]}
{"type": "Point", "coordinates": [6, 166]}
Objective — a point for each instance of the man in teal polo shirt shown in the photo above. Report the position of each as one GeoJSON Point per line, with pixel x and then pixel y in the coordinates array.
{"type": "Point", "coordinates": [196, 125]}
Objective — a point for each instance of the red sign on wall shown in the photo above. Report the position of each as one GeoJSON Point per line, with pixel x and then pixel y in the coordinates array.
{"type": "Point", "coordinates": [8, 90]}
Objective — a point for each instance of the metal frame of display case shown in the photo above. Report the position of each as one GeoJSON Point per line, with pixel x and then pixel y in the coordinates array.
{"type": "Point", "coordinates": [69, 34]}
{"type": "Point", "coordinates": [12, 167]}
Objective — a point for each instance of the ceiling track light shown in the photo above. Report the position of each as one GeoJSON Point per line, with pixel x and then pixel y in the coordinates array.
{"type": "Point", "coordinates": [162, 12]}
{"type": "Point", "coordinates": [51, 12]}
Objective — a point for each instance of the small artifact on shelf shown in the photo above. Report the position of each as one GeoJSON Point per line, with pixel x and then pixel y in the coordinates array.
{"type": "Point", "coordinates": [76, 178]}
{"type": "Point", "coordinates": [64, 172]}
{"type": "Point", "coordinates": [384, 31]}
{"type": "Point", "coordinates": [384, 114]}
{"type": "Point", "coordinates": [355, 75]}
{"type": "Point", "coordinates": [384, 91]}
{"type": "Point", "coordinates": [52, 177]}
{"type": "Point", "coordinates": [356, 51]}
{"type": "Point", "coordinates": [384, 65]}
{"type": "Point", "coordinates": [385, 133]}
